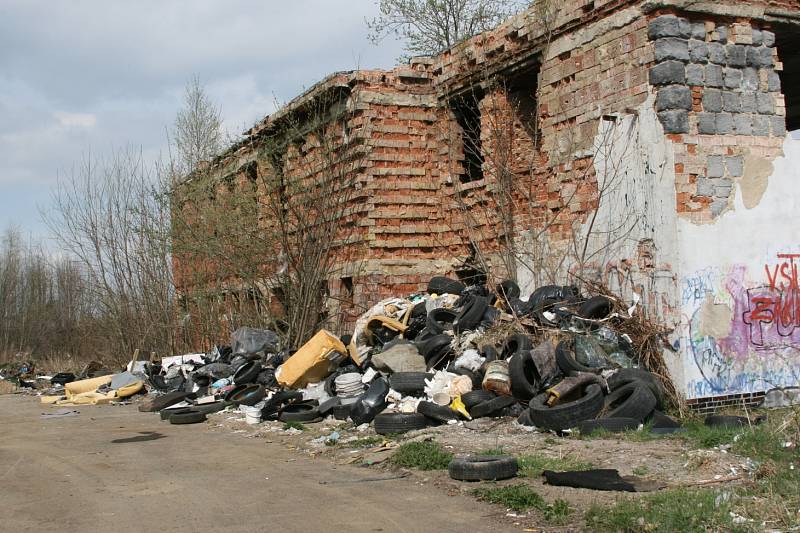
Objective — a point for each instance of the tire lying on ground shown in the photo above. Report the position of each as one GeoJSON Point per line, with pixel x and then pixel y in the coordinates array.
{"type": "Point", "coordinates": [474, 397]}
{"type": "Point", "coordinates": [483, 467]}
{"type": "Point", "coordinates": [491, 407]}
{"type": "Point", "coordinates": [613, 425]}
{"type": "Point", "coordinates": [213, 407]}
{"type": "Point", "coordinates": [569, 414]}
{"type": "Point", "coordinates": [633, 400]}
{"type": "Point", "coordinates": [515, 343]}
{"type": "Point", "coordinates": [409, 382]}
{"type": "Point", "coordinates": [388, 423]}
{"type": "Point", "coordinates": [299, 412]}
{"type": "Point", "coordinates": [508, 289]}
{"type": "Point", "coordinates": [249, 395]}
{"type": "Point", "coordinates": [444, 285]}
{"type": "Point", "coordinates": [191, 417]}
{"type": "Point", "coordinates": [166, 413]}
{"type": "Point", "coordinates": [524, 376]}
{"type": "Point", "coordinates": [525, 418]}
{"type": "Point", "coordinates": [623, 376]}
{"type": "Point", "coordinates": [341, 412]}
{"type": "Point", "coordinates": [162, 402]}
{"type": "Point", "coordinates": [436, 412]}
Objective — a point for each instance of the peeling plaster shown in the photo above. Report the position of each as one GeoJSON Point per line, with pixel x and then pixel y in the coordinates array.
{"type": "Point", "coordinates": [715, 319]}
{"type": "Point", "coordinates": [753, 184]}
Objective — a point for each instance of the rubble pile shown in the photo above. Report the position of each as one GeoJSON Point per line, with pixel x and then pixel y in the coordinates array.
{"type": "Point", "coordinates": [555, 360]}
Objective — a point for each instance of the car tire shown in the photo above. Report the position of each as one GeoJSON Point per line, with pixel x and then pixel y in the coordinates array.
{"type": "Point", "coordinates": [440, 319]}
{"type": "Point", "coordinates": [624, 376]}
{"type": "Point", "coordinates": [445, 285]}
{"type": "Point", "coordinates": [341, 412]}
{"type": "Point", "coordinates": [249, 395]}
{"type": "Point", "coordinates": [483, 467]}
{"type": "Point", "coordinates": [567, 415]}
{"type": "Point", "coordinates": [247, 373]}
{"type": "Point", "coordinates": [166, 413]}
{"type": "Point", "coordinates": [612, 425]}
{"type": "Point", "coordinates": [437, 413]}
{"type": "Point", "coordinates": [471, 314]}
{"type": "Point", "coordinates": [508, 289]}
{"type": "Point", "coordinates": [515, 343]}
{"type": "Point", "coordinates": [474, 397]}
{"type": "Point", "coordinates": [299, 412]}
{"type": "Point", "coordinates": [523, 375]}
{"type": "Point", "coordinates": [191, 417]}
{"type": "Point", "coordinates": [565, 359]}
{"type": "Point", "coordinates": [412, 383]}
{"type": "Point", "coordinates": [394, 423]}
{"type": "Point", "coordinates": [491, 407]}
{"type": "Point", "coordinates": [633, 400]}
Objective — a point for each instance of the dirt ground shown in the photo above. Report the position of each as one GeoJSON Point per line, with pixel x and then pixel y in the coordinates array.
{"type": "Point", "coordinates": [112, 468]}
{"type": "Point", "coordinates": [667, 461]}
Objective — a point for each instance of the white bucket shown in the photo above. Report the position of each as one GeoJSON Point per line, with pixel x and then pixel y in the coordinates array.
{"type": "Point", "coordinates": [252, 414]}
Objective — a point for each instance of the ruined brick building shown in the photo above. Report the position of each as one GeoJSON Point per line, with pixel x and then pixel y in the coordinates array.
{"type": "Point", "coordinates": [642, 143]}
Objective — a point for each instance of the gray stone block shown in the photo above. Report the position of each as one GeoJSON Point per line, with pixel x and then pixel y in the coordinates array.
{"type": "Point", "coordinates": [707, 124]}
{"type": "Point", "coordinates": [758, 37]}
{"type": "Point", "coordinates": [705, 186]}
{"type": "Point", "coordinates": [761, 126]}
{"type": "Point", "coordinates": [712, 100]}
{"type": "Point", "coordinates": [748, 102]}
{"type": "Point", "coordinates": [773, 81]}
{"type": "Point", "coordinates": [674, 97]}
{"type": "Point", "coordinates": [717, 53]}
{"type": "Point", "coordinates": [716, 166]}
{"type": "Point", "coordinates": [672, 48]}
{"type": "Point", "coordinates": [722, 34]}
{"type": "Point", "coordinates": [737, 55]}
{"type": "Point", "coordinates": [722, 187]}
{"type": "Point", "coordinates": [668, 26]}
{"type": "Point", "coordinates": [759, 57]}
{"type": "Point", "coordinates": [668, 73]}
{"type": "Point", "coordinates": [714, 77]}
{"type": "Point", "coordinates": [675, 121]}
{"type": "Point", "coordinates": [695, 75]}
{"type": "Point", "coordinates": [698, 51]}
{"type": "Point", "coordinates": [699, 31]}
{"type": "Point", "coordinates": [731, 102]}
{"type": "Point", "coordinates": [724, 123]}
{"type": "Point", "coordinates": [778, 126]}
{"type": "Point", "coordinates": [750, 80]}
{"type": "Point", "coordinates": [735, 165]}
{"type": "Point", "coordinates": [765, 103]}
{"type": "Point", "coordinates": [743, 124]}
{"type": "Point", "coordinates": [768, 37]}
{"type": "Point", "coordinates": [733, 78]}
{"type": "Point", "coordinates": [718, 206]}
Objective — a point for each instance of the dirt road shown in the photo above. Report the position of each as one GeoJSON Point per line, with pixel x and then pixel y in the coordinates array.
{"type": "Point", "coordinates": [115, 469]}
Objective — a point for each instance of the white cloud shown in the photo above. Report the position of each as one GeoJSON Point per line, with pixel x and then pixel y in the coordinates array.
{"type": "Point", "coordinates": [79, 120]}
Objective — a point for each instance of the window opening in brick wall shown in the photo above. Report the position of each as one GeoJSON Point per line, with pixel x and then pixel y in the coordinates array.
{"type": "Point", "coordinates": [787, 40]}
{"type": "Point", "coordinates": [522, 90]}
{"type": "Point", "coordinates": [467, 112]}
{"type": "Point", "coordinates": [347, 288]}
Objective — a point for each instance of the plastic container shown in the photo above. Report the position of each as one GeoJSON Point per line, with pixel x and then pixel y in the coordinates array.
{"type": "Point", "coordinates": [496, 378]}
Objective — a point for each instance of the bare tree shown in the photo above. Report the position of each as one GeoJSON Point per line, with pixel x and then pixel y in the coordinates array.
{"type": "Point", "coordinates": [197, 133]}
{"type": "Point", "coordinates": [262, 243]}
{"type": "Point", "coordinates": [430, 26]}
{"type": "Point", "coordinates": [108, 215]}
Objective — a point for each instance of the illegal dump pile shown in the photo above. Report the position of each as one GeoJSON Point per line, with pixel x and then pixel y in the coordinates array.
{"type": "Point", "coordinates": [555, 361]}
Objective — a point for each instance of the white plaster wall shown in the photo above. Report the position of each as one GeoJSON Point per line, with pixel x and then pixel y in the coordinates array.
{"type": "Point", "coordinates": [725, 348]}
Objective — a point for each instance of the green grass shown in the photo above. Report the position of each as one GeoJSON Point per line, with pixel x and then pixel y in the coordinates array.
{"type": "Point", "coordinates": [633, 435]}
{"type": "Point", "coordinates": [364, 442]}
{"type": "Point", "coordinates": [294, 425]}
{"type": "Point", "coordinates": [681, 510]}
{"type": "Point", "coordinates": [422, 455]}
{"type": "Point", "coordinates": [534, 465]}
{"type": "Point", "coordinates": [640, 471]}
{"type": "Point", "coordinates": [521, 497]}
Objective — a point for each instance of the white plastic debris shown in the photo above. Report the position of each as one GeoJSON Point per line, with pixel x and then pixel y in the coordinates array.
{"type": "Point", "coordinates": [369, 375]}
{"type": "Point", "coordinates": [440, 382]}
{"type": "Point", "coordinates": [470, 360]}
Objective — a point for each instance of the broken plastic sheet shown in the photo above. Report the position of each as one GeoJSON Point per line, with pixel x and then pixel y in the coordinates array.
{"type": "Point", "coordinates": [196, 358]}
{"type": "Point", "coordinates": [391, 307]}
{"type": "Point", "coordinates": [251, 340]}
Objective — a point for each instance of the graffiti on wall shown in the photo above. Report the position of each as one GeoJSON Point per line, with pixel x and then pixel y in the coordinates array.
{"type": "Point", "coordinates": [742, 335]}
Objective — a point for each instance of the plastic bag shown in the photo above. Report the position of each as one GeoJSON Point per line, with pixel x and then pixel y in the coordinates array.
{"type": "Point", "coordinates": [250, 340]}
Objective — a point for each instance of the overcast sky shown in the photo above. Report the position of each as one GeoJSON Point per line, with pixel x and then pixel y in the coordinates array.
{"type": "Point", "coordinates": [91, 76]}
